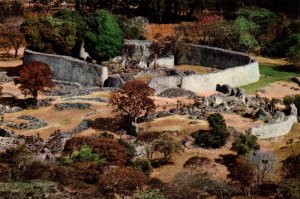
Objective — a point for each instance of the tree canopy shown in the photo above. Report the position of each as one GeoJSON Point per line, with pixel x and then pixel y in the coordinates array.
{"type": "Point", "coordinates": [104, 38]}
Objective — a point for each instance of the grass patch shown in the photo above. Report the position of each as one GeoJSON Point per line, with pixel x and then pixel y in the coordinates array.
{"type": "Point", "coordinates": [270, 74]}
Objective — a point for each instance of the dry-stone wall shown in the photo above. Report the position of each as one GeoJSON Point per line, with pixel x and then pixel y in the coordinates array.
{"type": "Point", "coordinates": [278, 128]}
{"type": "Point", "coordinates": [68, 68]}
{"type": "Point", "coordinates": [238, 69]}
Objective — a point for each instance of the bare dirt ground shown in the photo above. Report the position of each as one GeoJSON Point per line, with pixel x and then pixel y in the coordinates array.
{"type": "Point", "coordinates": [280, 89]}
{"type": "Point", "coordinates": [12, 62]}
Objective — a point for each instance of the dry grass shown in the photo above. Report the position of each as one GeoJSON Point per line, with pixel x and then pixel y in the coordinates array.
{"type": "Point", "coordinates": [200, 70]}
{"type": "Point", "coordinates": [163, 29]}
{"type": "Point", "coordinates": [271, 61]}
{"type": "Point", "coordinates": [167, 173]}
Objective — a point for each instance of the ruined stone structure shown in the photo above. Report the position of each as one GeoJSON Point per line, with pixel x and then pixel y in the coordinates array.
{"type": "Point", "coordinates": [238, 69]}
{"type": "Point", "coordinates": [69, 69]}
{"type": "Point", "coordinates": [278, 128]}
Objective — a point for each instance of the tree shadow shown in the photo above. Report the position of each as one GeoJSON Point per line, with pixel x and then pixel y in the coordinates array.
{"type": "Point", "coordinates": [104, 124]}
{"type": "Point", "coordinates": [229, 160]}
{"type": "Point", "coordinates": [11, 70]}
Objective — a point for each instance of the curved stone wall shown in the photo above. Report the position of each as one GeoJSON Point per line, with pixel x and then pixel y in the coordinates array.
{"type": "Point", "coordinates": [277, 129]}
{"type": "Point", "coordinates": [68, 68]}
{"type": "Point", "coordinates": [238, 69]}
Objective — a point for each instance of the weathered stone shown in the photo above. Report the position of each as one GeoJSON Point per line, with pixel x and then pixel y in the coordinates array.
{"type": "Point", "coordinates": [68, 68]}
{"type": "Point", "coordinates": [176, 92]}
{"type": "Point", "coordinates": [80, 106]}
{"type": "Point", "coordinates": [114, 81]}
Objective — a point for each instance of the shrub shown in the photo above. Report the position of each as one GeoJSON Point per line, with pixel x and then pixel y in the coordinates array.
{"type": "Point", "coordinates": [244, 144]}
{"type": "Point", "coordinates": [143, 164]}
{"type": "Point", "coordinates": [150, 194]}
{"type": "Point", "coordinates": [216, 137]}
{"type": "Point", "coordinates": [110, 150]}
{"type": "Point", "coordinates": [123, 181]}
{"type": "Point", "coordinates": [104, 38]}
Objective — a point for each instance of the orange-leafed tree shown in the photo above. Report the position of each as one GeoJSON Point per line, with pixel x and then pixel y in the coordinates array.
{"type": "Point", "coordinates": [132, 101]}
{"type": "Point", "coordinates": [35, 77]}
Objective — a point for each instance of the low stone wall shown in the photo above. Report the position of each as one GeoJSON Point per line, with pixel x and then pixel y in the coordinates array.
{"type": "Point", "coordinates": [277, 129]}
{"type": "Point", "coordinates": [238, 70]}
{"type": "Point", "coordinates": [68, 68]}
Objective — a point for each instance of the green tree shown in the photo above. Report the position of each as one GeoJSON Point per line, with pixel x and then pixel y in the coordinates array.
{"type": "Point", "coordinates": [217, 136]}
{"type": "Point", "coordinates": [50, 35]}
{"type": "Point", "coordinates": [104, 38]}
{"type": "Point", "coordinates": [244, 144]}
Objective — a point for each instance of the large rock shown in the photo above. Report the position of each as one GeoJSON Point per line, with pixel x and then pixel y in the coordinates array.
{"type": "Point", "coordinates": [263, 115]}
{"type": "Point", "coordinates": [114, 82]}
{"type": "Point", "coordinates": [225, 89]}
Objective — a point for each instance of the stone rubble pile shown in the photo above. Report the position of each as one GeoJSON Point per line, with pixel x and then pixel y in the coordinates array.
{"type": "Point", "coordinates": [33, 123]}
{"type": "Point", "coordinates": [80, 106]}
{"type": "Point", "coordinates": [177, 92]}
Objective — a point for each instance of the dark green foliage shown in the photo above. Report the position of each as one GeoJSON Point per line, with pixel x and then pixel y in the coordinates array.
{"type": "Point", "coordinates": [143, 164]}
{"type": "Point", "coordinates": [75, 18]}
{"type": "Point", "coordinates": [129, 148]}
{"type": "Point", "coordinates": [216, 137]}
{"type": "Point", "coordinates": [292, 99]}
{"type": "Point", "coordinates": [50, 35]}
{"type": "Point", "coordinates": [104, 39]}
{"type": "Point", "coordinates": [245, 144]}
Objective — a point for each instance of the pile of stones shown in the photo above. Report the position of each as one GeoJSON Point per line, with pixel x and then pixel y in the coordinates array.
{"type": "Point", "coordinates": [177, 92]}
{"type": "Point", "coordinates": [33, 123]}
{"type": "Point", "coordinates": [8, 109]}
{"type": "Point", "coordinates": [80, 106]}
{"type": "Point", "coordinates": [4, 78]}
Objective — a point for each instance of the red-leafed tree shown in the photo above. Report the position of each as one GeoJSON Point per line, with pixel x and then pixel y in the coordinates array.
{"type": "Point", "coordinates": [35, 77]}
{"type": "Point", "coordinates": [132, 101]}
{"type": "Point", "coordinates": [123, 181]}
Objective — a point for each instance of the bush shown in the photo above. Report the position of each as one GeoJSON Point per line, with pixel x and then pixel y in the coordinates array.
{"type": "Point", "coordinates": [111, 150]}
{"type": "Point", "coordinates": [104, 38]}
{"type": "Point", "coordinates": [245, 144]}
{"type": "Point", "coordinates": [132, 28]}
{"type": "Point", "coordinates": [214, 138]}
{"type": "Point", "coordinates": [150, 194]}
{"type": "Point", "coordinates": [143, 164]}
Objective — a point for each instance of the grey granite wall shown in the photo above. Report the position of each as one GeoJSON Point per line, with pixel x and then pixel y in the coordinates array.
{"type": "Point", "coordinates": [68, 68]}
{"type": "Point", "coordinates": [238, 69]}
{"type": "Point", "coordinates": [212, 57]}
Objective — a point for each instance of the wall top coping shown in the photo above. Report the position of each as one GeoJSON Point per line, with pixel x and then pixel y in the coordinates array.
{"type": "Point", "coordinates": [61, 56]}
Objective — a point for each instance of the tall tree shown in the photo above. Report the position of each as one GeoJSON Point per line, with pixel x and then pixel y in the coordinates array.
{"type": "Point", "coordinates": [10, 30]}
{"type": "Point", "coordinates": [132, 101]}
{"type": "Point", "coordinates": [104, 39]}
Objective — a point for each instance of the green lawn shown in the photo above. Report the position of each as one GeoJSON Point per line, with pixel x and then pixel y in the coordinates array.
{"type": "Point", "coordinates": [270, 74]}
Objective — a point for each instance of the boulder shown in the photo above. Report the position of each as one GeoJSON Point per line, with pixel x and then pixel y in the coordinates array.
{"type": "Point", "coordinates": [114, 81]}
{"type": "Point", "coordinates": [225, 89]}
{"type": "Point", "coordinates": [263, 115]}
